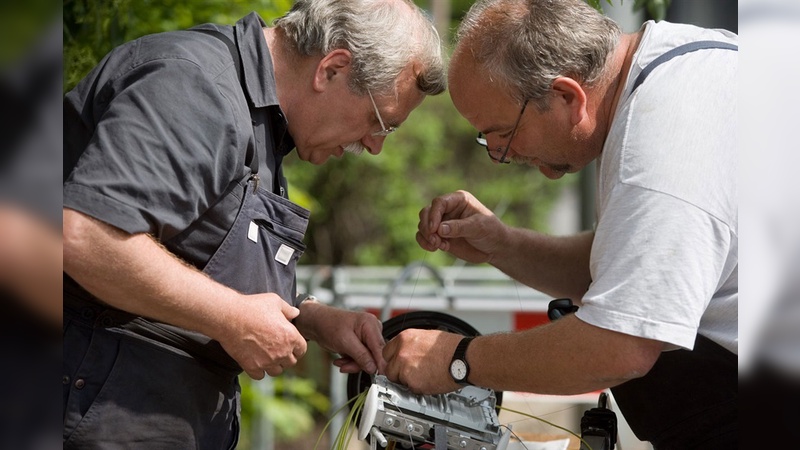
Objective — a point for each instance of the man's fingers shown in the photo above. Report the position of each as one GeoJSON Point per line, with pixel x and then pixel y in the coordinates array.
{"type": "Point", "coordinates": [426, 234]}
{"type": "Point", "coordinates": [256, 374]}
{"type": "Point", "coordinates": [347, 365]}
{"type": "Point", "coordinates": [429, 243]}
{"type": "Point", "coordinates": [374, 339]}
{"type": "Point", "coordinates": [438, 209]}
{"type": "Point", "coordinates": [424, 220]}
{"type": "Point", "coordinates": [300, 348]}
{"type": "Point", "coordinates": [363, 357]}
{"type": "Point", "coordinates": [274, 370]}
{"type": "Point", "coordinates": [473, 226]}
{"type": "Point", "coordinates": [289, 311]}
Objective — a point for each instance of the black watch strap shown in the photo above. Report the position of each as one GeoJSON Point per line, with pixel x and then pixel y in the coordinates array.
{"type": "Point", "coordinates": [461, 354]}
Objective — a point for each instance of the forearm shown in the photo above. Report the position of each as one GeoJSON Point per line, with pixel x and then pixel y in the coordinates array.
{"type": "Point", "coordinates": [556, 265]}
{"type": "Point", "coordinates": [136, 274]}
{"type": "Point", "coordinates": [563, 358]}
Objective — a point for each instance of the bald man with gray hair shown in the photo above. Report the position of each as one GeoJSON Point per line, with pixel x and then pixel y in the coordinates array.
{"type": "Point", "coordinates": [180, 241]}
{"type": "Point", "coordinates": [555, 85]}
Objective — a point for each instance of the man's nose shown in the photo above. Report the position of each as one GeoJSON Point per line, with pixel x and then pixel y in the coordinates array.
{"type": "Point", "coordinates": [373, 144]}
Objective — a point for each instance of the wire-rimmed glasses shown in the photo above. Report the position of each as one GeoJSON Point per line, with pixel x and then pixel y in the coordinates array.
{"type": "Point", "coordinates": [384, 131]}
{"type": "Point", "coordinates": [502, 159]}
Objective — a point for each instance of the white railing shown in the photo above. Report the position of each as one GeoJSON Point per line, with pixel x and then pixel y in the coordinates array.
{"type": "Point", "coordinates": [419, 286]}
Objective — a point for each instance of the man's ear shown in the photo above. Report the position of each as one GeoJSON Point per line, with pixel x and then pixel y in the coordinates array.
{"type": "Point", "coordinates": [335, 66]}
{"type": "Point", "coordinates": [570, 95]}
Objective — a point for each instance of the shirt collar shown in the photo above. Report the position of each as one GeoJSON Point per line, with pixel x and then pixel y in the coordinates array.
{"type": "Point", "coordinates": [259, 75]}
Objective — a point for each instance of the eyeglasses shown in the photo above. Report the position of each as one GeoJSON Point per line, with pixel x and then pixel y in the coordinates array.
{"type": "Point", "coordinates": [502, 159]}
{"type": "Point", "coordinates": [384, 131]}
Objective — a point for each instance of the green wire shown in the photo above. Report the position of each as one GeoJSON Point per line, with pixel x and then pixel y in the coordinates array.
{"type": "Point", "coordinates": [345, 433]}
{"type": "Point", "coordinates": [336, 413]}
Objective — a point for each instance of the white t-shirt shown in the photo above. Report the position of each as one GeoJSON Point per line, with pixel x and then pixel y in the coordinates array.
{"type": "Point", "coordinates": [664, 260]}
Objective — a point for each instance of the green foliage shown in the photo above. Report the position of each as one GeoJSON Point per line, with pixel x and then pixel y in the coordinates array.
{"type": "Point", "coordinates": [596, 4]}
{"type": "Point", "coordinates": [657, 9]}
{"type": "Point", "coordinates": [291, 408]}
{"type": "Point", "coordinates": [21, 26]}
{"type": "Point", "coordinates": [93, 27]}
{"type": "Point", "coordinates": [369, 205]}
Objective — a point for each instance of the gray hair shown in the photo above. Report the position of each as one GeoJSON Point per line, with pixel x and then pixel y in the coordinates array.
{"type": "Point", "coordinates": [384, 37]}
{"type": "Point", "coordinates": [527, 44]}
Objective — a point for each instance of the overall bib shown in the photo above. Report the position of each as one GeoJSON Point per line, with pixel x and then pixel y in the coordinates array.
{"type": "Point", "coordinates": [688, 400]}
{"type": "Point", "coordinates": [130, 382]}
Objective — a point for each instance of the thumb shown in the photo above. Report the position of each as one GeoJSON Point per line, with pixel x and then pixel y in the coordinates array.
{"type": "Point", "coordinates": [256, 374]}
{"type": "Point", "coordinates": [362, 356]}
{"type": "Point", "coordinates": [453, 229]}
{"type": "Point", "coordinates": [289, 311]}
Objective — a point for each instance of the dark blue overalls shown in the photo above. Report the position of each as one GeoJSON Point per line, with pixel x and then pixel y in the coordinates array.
{"type": "Point", "coordinates": [688, 400]}
{"type": "Point", "coordinates": [130, 382]}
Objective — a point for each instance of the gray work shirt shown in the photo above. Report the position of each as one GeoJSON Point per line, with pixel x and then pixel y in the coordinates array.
{"type": "Point", "coordinates": [158, 138]}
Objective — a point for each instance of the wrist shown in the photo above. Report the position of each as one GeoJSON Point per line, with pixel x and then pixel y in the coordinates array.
{"type": "Point", "coordinates": [304, 298]}
{"type": "Point", "coordinates": [504, 240]}
{"type": "Point", "coordinates": [459, 366]}
{"type": "Point", "coordinates": [307, 304]}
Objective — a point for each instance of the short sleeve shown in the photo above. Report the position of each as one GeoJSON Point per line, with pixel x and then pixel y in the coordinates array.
{"type": "Point", "coordinates": [165, 146]}
{"type": "Point", "coordinates": [655, 263]}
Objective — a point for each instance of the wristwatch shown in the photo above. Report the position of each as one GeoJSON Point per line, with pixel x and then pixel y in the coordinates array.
{"type": "Point", "coordinates": [459, 368]}
{"type": "Point", "coordinates": [299, 301]}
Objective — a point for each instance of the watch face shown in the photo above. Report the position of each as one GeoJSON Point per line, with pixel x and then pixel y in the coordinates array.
{"type": "Point", "coordinates": [458, 369]}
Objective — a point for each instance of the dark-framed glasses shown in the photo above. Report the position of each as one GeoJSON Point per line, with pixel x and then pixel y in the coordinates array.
{"type": "Point", "coordinates": [503, 152]}
{"type": "Point", "coordinates": [384, 131]}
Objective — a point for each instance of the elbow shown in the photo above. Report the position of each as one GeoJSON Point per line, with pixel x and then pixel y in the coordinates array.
{"type": "Point", "coordinates": [74, 237]}
{"type": "Point", "coordinates": [84, 238]}
{"type": "Point", "coordinates": [638, 360]}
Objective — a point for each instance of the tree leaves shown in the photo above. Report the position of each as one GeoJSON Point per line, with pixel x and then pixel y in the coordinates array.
{"type": "Point", "coordinates": [657, 9]}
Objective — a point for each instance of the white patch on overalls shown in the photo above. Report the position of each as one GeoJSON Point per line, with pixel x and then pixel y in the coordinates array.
{"type": "Point", "coordinates": [284, 254]}
{"type": "Point", "coordinates": [252, 232]}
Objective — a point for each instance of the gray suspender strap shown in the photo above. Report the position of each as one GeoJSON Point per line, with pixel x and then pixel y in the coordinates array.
{"type": "Point", "coordinates": [272, 176]}
{"type": "Point", "coordinates": [239, 73]}
{"type": "Point", "coordinates": [681, 50]}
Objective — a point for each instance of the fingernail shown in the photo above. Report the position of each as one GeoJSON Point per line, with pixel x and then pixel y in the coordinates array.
{"type": "Point", "coordinates": [445, 229]}
{"type": "Point", "coordinates": [370, 368]}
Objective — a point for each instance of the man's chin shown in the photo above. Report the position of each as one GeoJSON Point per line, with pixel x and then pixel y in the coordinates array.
{"type": "Point", "coordinates": [551, 173]}
{"type": "Point", "coordinates": [319, 160]}
{"type": "Point", "coordinates": [318, 157]}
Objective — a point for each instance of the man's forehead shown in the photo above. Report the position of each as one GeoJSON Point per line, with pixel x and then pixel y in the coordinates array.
{"type": "Point", "coordinates": [479, 98]}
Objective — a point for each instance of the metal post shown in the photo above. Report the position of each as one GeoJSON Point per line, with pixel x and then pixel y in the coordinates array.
{"type": "Point", "coordinates": [263, 434]}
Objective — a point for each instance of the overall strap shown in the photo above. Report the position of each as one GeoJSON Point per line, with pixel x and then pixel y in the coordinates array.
{"type": "Point", "coordinates": [239, 73]}
{"type": "Point", "coordinates": [681, 50]}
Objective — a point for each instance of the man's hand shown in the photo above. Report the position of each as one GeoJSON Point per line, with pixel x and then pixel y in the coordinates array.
{"type": "Point", "coordinates": [461, 225]}
{"type": "Point", "coordinates": [136, 274]}
{"type": "Point", "coordinates": [261, 337]}
{"type": "Point", "coordinates": [420, 359]}
{"type": "Point", "coordinates": [356, 336]}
